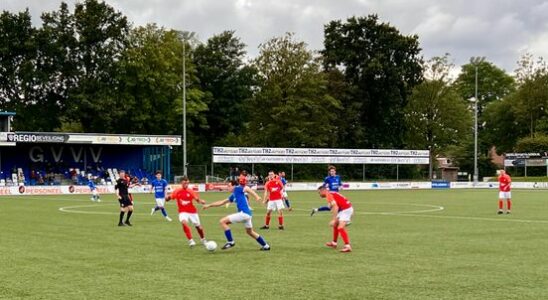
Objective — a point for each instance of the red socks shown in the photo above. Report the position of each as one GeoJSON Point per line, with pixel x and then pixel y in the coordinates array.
{"type": "Point", "coordinates": [335, 234]}
{"type": "Point", "coordinates": [281, 220]}
{"type": "Point", "coordinates": [200, 232]}
{"type": "Point", "coordinates": [501, 205]}
{"type": "Point", "coordinates": [186, 229]}
{"type": "Point", "coordinates": [509, 204]}
{"type": "Point", "coordinates": [344, 236]}
{"type": "Point", "coordinates": [267, 222]}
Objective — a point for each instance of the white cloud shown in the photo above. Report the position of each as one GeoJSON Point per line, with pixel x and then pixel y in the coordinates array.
{"type": "Point", "coordinates": [497, 29]}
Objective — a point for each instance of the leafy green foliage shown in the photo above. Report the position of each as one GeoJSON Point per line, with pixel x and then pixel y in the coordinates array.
{"type": "Point", "coordinates": [435, 115]}
{"type": "Point", "coordinates": [292, 106]}
{"type": "Point", "coordinates": [382, 66]}
{"type": "Point", "coordinates": [538, 143]}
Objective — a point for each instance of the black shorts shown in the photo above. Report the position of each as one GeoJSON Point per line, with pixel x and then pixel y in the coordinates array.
{"type": "Point", "coordinates": [125, 201]}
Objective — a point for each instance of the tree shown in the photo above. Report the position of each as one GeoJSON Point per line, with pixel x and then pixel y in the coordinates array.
{"type": "Point", "coordinates": [101, 34]}
{"type": "Point", "coordinates": [493, 83]}
{"type": "Point", "coordinates": [435, 115]}
{"type": "Point", "coordinates": [532, 94]}
{"type": "Point", "coordinates": [292, 106]}
{"type": "Point", "coordinates": [150, 80]}
{"type": "Point", "coordinates": [227, 83]}
{"type": "Point", "coordinates": [502, 129]}
{"type": "Point", "coordinates": [18, 53]}
{"type": "Point", "coordinates": [381, 67]}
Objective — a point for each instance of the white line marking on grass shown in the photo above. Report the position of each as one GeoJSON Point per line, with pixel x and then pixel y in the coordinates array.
{"type": "Point", "coordinates": [502, 218]}
{"type": "Point", "coordinates": [432, 208]}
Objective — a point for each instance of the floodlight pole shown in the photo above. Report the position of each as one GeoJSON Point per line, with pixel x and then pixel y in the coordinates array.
{"type": "Point", "coordinates": [184, 109]}
{"type": "Point", "coordinates": [476, 172]}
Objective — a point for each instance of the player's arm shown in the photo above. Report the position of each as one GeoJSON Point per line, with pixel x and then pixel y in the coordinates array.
{"type": "Point", "coordinates": [334, 212]}
{"type": "Point", "coordinates": [116, 188]}
{"type": "Point", "coordinates": [216, 204]}
{"type": "Point", "coordinates": [252, 192]}
{"type": "Point", "coordinates": [265, 194]}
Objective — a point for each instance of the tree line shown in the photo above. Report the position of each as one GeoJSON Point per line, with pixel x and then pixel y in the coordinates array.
{"type": "Point", "coordinates": [88, 69]}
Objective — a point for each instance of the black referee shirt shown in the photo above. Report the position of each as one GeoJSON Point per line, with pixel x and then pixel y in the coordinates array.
{"type": "Point", "coordinates": [122, 186]}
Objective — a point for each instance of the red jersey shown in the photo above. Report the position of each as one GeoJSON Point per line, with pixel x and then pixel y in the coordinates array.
{"type": "Point", "coordinates": [341, 201]}
{"type": "Point", "coordinates": [504, 183]}
{"type": "Point", "coordinates": [275, 189]}
{"type": "Point", "coordinates": [184, 199]}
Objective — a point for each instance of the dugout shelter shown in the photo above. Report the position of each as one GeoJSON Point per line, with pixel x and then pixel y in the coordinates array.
{"type": "Point", "coordinates": [55, 158]}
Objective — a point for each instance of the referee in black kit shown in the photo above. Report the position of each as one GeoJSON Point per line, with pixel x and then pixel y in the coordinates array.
{"type": "Point", "coordinates": [126, 205]}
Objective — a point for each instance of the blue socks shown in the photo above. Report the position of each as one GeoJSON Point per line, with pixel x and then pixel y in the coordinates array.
{"type": "Point", "coordinates": [228, 235]}
{"type": "Point", "coordinates": [287, 203]}
{"type": "Point", "coordinates": [324, 208]}
{"type": "Point", "coordinates": [164, 213]}
{"type": "Point", "coordinates": [260, 240]}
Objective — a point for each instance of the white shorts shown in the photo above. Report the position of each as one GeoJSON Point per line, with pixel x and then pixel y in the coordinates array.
{"type": "Point", "coordinates": [275, 205]}
{"type": "Point", "coordinates": [161, 202]}
{"type": "Point", "coordinates": [94, 192]}
{"type": "Point", "coordinates": [505, 195]}
{"type": "Point", "coordinates": [345, 215]}
{"type": "Point", "coordinates": [241, 218]}
{"type": "Point", "coordinates": [193, 218]}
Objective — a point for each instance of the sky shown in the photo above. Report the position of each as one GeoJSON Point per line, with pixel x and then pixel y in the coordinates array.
{"type": "Point", "coordinates": [500, 30]}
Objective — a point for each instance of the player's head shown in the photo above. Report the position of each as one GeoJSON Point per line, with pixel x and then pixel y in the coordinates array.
{"type": "Point", "coordinates": [243, 173]}
{"type": "Point", "coordinates": [282, 174]}
{"type": "Point", "coordinates": [322, 190]}
{"type": "Point", "coordinates": [232, 184]}
{"type": "Point", "coordinates": [332, 170]}
{"type": "Point", "coordinates": [242, 180]}
{"type": "Point", "coordinates": [158, 174]}
{"type": "Point", "coordinates": [184, 181]}
{"type": "Point", "coordinates": [271, 175]}
{"type": "Point", "coordinates": [502, 172]}
{"type": "Point", "coordinates": [122, 173]}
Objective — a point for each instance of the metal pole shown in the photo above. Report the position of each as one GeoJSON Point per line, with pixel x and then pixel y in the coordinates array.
{"type": "Point", "coordinates": [363, 172]}
{"type": "Point", "coordinates": [476, 175]}
{"type": "Point", "coordinates": [398, 172]}
{"type": "Point", "coordinates": [291, 172]}
{"type": "Point", "coordinates": [184, 109]}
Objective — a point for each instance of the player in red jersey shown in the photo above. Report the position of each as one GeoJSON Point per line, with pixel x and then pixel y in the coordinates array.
{"type": "Point", "coordinates": [274, 190]}
{"type": "Point", "coordinates": [342, 211]}
{"type": "Point", "coordinates": [187, 211]}
{"type": "Point", "coordinates": [505, 183]}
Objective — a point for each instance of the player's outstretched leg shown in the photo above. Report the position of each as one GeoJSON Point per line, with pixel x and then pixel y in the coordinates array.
{"type": "Point", "coordinates": [267, 220]}
{"type": "Point", "coordinates": [280, 219]}
{"type": "Point", "coordinates": [154, 209]}
{"type": "Point", "coordinates": [129, 213]}
{"type": "Point", "coordinates": [344, 236]}
{"type": "Point", "coordinates": [201, 233]}
{"type": "Point", "coordinates": [264, 245]}
{"type": "Point", "coordinates": [501, 205]}
{"type": "Point", "coordinates": [121, 222]}
{"type": "Point", "coordinates": [321, 208]}
{"type": "Point", "coordinates": [188, 233]}
{"type": "Point", "coordinates": [288, 204]}
{"type": "Point", "coordinates": [164, 213]}
{"type": "Point", "coordinates": [228, 234]}
{"type": "Point", "coordinates": [333, 243]}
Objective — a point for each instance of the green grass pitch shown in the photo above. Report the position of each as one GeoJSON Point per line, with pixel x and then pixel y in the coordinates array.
{"type": "Point", "coordinates": [416, 244]}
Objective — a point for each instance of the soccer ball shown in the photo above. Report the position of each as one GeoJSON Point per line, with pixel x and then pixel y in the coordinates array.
{"type": "Point", "coordinates": [211, 246]}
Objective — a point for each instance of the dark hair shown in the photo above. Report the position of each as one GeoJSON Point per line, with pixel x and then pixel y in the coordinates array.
{"type": "Point", "coordinates": [184, 178]}
{"type": "Point", "coordinates": [321, 187]}
{"type": "Point", "coordinates": [158, 172]}
{"type": "Point", "coordinates": [233, 183]}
